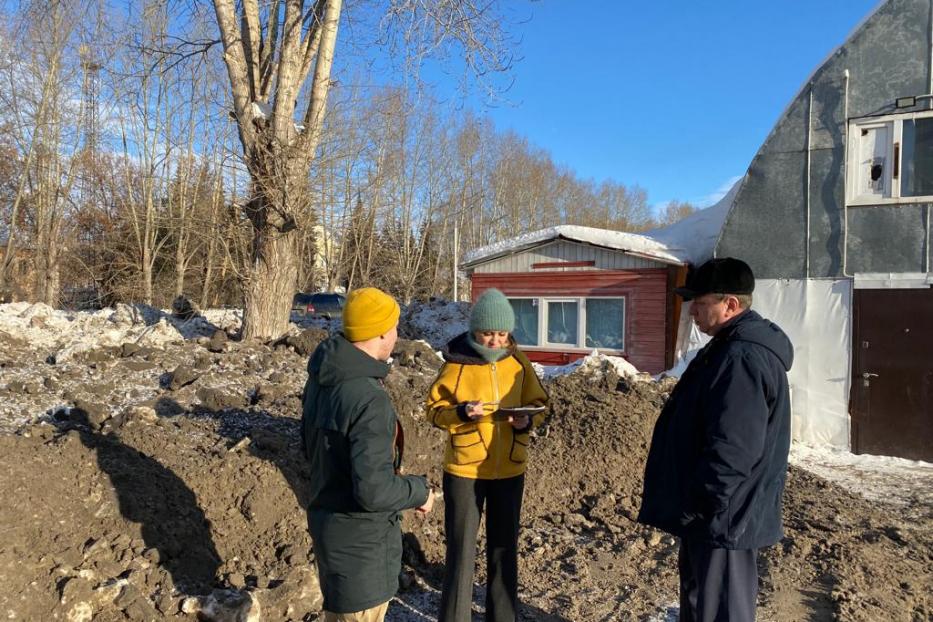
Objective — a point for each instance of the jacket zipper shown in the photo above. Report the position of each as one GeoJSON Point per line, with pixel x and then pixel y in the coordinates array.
{"type": "Point", "coordinates": [496, 424]}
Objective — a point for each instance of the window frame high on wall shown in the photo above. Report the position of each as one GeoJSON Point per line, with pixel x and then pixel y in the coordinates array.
{"type": "Point", "coordinates": [891, 155]}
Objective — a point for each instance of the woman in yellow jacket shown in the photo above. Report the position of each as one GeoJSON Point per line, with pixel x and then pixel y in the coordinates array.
{"type": "Point", "coordinates": [485, 378]}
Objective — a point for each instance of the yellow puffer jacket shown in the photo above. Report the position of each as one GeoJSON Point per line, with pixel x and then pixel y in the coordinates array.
{"type": "Point", "coordinates": [484, 448]}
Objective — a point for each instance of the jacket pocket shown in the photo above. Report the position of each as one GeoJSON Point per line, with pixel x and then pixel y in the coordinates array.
{"type": "Point", "coordinates": [519, 451]}
{"type": "Point", "coordinates": [468, 447]}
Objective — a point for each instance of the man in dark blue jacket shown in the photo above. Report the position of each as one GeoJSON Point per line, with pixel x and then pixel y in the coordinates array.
{"type": "Point", "coordinates": [718, 459]}
{"type": "Point", "coordinates": [353, 440]}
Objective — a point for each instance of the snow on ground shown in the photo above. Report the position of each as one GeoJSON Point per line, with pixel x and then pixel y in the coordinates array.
{"type": "Point", "coordinates": [436, 321]}
{"type": "Point", "coordinates": [670, 613]}
{"type": "Point", "coordinates": [592, 362]}
{"type": "Point", "coordinates": [877, 478]}
{"type": "Point", "coordinates": [64, 334]}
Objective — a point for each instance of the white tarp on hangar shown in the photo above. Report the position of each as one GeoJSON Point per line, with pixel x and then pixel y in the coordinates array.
{"type": "Point", "coordinates": [817, 316]}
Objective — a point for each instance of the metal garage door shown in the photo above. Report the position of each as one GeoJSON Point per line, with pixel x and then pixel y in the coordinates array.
{"type": "Point", "coordinates": [892, 380]}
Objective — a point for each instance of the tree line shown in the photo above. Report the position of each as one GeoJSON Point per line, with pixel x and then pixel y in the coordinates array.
{"type": "Point", "coordinates": [221, 153]}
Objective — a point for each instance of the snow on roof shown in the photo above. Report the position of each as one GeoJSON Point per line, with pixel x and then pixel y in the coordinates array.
{"type": "Point", "coordinates": [630, 243]}
{"type": "Point", "coordinates": [690, 240]}
{"type": "Point", "coordinates": [694, 238]}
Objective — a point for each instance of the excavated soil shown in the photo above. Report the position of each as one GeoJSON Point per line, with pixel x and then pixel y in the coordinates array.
{"type": "Point", "coordinates": [168, 483]}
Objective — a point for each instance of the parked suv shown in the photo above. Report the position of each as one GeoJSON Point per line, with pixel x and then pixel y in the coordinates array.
{"type": "Point", "coordinates": [329, 305]}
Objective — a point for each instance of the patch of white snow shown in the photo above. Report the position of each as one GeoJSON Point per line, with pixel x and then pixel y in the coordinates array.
{"type": "Point", "coordinates": [883, 479]}
{"type": "Point", "coordinates": [594, 362]}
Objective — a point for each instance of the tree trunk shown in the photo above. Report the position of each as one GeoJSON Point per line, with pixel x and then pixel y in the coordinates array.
{"type": "Point", "coordinates": [208, 275]}
{"type": "Point", "coordinates": [209, 262]}
{"type": "Point", "coordinates": [179, 274]}
{"type": "Point", "coordinates": [272, 283]}
{"type": "Point", "coordinates": [146, 270]}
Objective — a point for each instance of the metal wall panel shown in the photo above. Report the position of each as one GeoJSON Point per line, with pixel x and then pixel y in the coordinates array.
{"type": "Point", "coordinates": [565, 250]}
{"type": "Point", "coordinates": [899, 231]}
{"type": "Point", "coordinates": [770, 235]}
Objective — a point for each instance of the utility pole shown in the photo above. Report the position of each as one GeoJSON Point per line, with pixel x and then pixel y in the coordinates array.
{"type": "Point", "coordinates": [456, 254]}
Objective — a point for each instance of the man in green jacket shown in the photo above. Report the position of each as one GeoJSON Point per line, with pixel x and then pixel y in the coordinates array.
{"type": "Point", "coordinates": [353, 440]}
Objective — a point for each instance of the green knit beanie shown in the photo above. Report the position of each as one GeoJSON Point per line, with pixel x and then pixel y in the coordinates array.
{"type": "Point", "coordinates": [492, 311]}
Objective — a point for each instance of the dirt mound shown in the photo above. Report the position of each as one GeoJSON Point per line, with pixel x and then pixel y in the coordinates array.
{"type": "Point", "coordinates": [167, 482]}
{"type": "Point", "coordinates": [585, 558]}
{"type": "Point", "coordinates": [161, 508]}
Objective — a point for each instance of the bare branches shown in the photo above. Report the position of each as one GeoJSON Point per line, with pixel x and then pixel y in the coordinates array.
{"type": "Point", "coordinates": [471, 30]}
{"type": "Point", "coordinates": [267, 51]}
{"type": "Point", "coordinates": [238, 70]}
{"type": "Point", "coordinates": [179, 50]}
{"type": "Point", "coordinates": [320, 86]}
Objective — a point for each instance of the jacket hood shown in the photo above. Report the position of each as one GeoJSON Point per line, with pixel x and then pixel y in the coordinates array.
{"type": "Point", "coordinates": [459, 350]}
{"type": "Point", "coordinates": [753, 328]}
{"type": "Point", "coordinates": [337, 360]}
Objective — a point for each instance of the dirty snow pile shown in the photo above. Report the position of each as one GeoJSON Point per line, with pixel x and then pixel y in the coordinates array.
{"type": "Point", "coordinates": [63, 334]}
{"type": "Point", "coordinates": [436, 321]}
{"type": "Point", "coordinates": [594, 362]}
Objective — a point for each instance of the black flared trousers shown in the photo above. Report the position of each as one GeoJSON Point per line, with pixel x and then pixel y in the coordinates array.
{"type": "Point", "coordinates": [464, 502]}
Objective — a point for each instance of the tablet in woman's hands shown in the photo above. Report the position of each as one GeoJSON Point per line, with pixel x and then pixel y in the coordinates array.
{"type": "Point", "coordinates": [518, 411]}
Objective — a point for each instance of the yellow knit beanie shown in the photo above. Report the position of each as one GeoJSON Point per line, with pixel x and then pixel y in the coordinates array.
{"type": "Point", "coordinates": [368, 313]}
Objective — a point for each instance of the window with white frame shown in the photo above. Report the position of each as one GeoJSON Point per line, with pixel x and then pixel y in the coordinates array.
{"type": "Point", "coordinates": [570, 322]}
{"type": "Point", "coordinates": [526, 321]}
{"type": "Point", "coordinates": [890, 159]}
{"type": "Point", "coordinates": [563, 322]}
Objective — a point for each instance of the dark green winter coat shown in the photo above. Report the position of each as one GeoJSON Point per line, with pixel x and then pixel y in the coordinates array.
{"type": "Point", "coordinates": [349, 431]}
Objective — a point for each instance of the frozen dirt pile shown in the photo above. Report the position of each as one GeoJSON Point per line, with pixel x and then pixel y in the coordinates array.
{"type": "Point", "coordinates": [164, 480]}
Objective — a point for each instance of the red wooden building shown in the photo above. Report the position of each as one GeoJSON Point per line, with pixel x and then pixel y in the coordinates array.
{"type": "Point", "coordinates": [578, 289]}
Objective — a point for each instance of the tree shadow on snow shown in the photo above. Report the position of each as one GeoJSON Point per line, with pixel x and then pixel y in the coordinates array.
{"type": "Point", "coordinates": [170, 519]}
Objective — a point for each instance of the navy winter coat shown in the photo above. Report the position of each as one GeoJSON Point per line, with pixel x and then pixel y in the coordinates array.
{"type": "Point", "coordinates": [718, 459]}
{"type": "Point", "coordinates": [348, 426]}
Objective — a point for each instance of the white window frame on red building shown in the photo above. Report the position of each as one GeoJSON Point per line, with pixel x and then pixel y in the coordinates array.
{"type": "Point", "coordinates": [541, 303]}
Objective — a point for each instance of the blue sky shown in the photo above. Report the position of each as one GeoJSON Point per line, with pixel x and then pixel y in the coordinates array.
{"type": "Point", "coordinates": [673, 96]}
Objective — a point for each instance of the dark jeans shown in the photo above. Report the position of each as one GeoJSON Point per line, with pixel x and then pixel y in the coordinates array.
{"type": "Point", "coordinates": [717, 585]}
{"type": "Point", "coordinates": [464, 499]}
